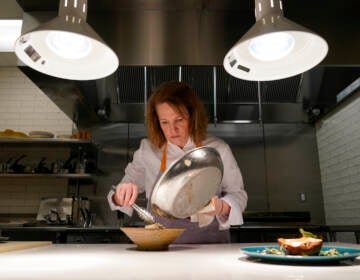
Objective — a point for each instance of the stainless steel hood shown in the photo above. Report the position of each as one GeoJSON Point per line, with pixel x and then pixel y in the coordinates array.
{"type": "Point", "coordinates": [122, 96]}
{"type": "Point", "coordinates": [176, 32]}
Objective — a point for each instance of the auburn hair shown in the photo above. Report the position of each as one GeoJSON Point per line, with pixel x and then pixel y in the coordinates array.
{"type": "Point", "coordinates": [182, 99]}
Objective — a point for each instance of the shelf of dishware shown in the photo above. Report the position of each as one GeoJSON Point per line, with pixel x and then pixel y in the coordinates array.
{"type": "Point", "coordinates": [43, 140]}
{"type": "Point", "coordinates": [49, 175]}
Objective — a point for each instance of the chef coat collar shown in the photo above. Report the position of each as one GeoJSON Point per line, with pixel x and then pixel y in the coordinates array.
{"type": "Point", "coordinates": [188, 146]}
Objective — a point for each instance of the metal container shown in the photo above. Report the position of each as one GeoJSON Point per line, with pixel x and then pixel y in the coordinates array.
{"type": "Point", "coordinates": [81, 215]}
{"type": "Point", "coordinates": [189, 184]}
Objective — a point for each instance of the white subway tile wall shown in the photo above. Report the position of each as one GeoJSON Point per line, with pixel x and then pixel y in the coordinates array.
{"type": "Point", "coordinates": [24, 107]}
{"type": "Point", "coordinates": [23, 195]}
{"type": "Point", "coordinates": [338, 137]}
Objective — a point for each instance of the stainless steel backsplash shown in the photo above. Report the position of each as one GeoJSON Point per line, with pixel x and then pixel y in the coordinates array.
{"type": "Point", "coordinates": [278, 163]}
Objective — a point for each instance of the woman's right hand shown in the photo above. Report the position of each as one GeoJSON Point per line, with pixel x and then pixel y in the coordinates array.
{"type": "Point", "coordinates": [125, 194]}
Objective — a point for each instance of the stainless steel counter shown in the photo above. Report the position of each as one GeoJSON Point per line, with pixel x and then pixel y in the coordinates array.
{"type": "Point", "coordinates": [121, 261]}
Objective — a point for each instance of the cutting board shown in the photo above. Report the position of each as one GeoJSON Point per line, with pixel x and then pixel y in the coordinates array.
{"type": "Point", "coordinates": [21, 245]}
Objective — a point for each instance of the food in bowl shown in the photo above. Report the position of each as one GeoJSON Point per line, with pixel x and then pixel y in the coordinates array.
{"type": "Point", "coordinates": [154, 226]}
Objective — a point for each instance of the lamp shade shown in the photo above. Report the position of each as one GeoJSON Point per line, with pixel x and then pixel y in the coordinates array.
{"type": "Point", "coordinates": [67, 47]}
{"type": "Point", "coordinates": [274, 47]}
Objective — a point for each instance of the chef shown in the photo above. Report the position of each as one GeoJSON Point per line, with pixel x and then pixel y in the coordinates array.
{"type": "Point", "coordinates": [176, 123]}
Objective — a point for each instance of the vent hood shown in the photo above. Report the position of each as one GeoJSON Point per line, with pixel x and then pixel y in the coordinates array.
{"type": "Point", "coordinates": [122, 96]}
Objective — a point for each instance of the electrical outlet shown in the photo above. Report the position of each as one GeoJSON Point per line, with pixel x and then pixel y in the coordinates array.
{"type": "Point", "coordinates": [302, 197]}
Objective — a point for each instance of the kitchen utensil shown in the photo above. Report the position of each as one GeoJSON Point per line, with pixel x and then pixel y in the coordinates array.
{"type": "Point", "coordinates": [6, 166]}
{"type": "Point", "coordinates": [69, 164]}
{"type": "Point", "coordinates": [41, 166]}
{"type": "Point", "coordinates": [16, 167]}
{"type": "Point", "coordinates": [54, 216]}
{"type": "Point", "coordinates": [152, 239]}
{"type": "Point", "coordinates": [55, 210]}
{"type": "Point", "coordinates": [189, 184]}
{"type": "Point", "coordinates": [144, 214]}
{"type": "Point", "coordinates": [85, 217]}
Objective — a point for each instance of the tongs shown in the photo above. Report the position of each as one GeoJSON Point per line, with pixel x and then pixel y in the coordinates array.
{"type": "Point", "coordinates": [145, 215]}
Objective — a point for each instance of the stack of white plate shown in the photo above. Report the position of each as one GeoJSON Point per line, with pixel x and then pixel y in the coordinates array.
{"type": "Point", "coordinates": [41, 134]}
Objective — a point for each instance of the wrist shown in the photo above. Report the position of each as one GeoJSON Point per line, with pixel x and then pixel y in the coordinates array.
{"type": "Point", "coordinates": [113, 199]}
{"type": "Point", "coordinates": [225, 208]}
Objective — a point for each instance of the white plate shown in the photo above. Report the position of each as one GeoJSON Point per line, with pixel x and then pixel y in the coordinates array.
{"type": "Point", "coordinates": [41, 134]}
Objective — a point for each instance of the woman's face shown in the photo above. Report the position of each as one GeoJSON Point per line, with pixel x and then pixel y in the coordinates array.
{"type": "Point", "coordinates": [174, 126]}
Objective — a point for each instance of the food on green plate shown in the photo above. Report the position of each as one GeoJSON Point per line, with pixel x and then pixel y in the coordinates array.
{"type": "Point", "coordinates": [332, 253]}
{"type": "Point", "coordinates": [328, 253]}
{"type": "Point", "coordinates": [307, 245]}
{"type": "Point", "coordinates": [272, 251]}
{"type": "Point", "coordinates": [303, 246]}
{"type": "Point", "coordinates": [307, 233]}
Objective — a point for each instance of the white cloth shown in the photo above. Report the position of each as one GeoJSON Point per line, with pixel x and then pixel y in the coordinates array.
{"type": "Point", "coordinates": [201, 217]}
{"type": "Point", "coordinates": [144, 168]}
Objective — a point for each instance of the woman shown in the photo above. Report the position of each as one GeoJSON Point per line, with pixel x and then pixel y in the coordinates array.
{"type": "Point", "coordinates": [176, 124]}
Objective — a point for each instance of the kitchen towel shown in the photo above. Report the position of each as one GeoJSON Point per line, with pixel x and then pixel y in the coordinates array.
{"type": "Point", "coordinates": [201, 217]}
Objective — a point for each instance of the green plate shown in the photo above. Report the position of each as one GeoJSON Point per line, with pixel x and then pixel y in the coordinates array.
{"type": "Point", "coordinates": [255, 252]}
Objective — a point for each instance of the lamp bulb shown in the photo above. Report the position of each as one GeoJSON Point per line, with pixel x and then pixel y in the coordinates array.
{"type": "Point", "coordinates": [271, 46]}
{"type": "Point", "coordinates": [68, 45]}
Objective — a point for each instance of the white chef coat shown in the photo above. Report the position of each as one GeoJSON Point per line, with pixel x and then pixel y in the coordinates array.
{"type": "Point", "coordinates": [144, 170]}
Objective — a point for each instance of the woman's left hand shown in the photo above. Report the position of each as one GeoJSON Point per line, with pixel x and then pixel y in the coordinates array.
{"type": "Point", "coordinates": [222, 208]}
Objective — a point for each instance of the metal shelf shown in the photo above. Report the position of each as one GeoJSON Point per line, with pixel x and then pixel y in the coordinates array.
{"type": "Point", "coordinates": [45, 175]}
{"type": "Point", "coordinates": [72, 144]}
{"type": "Point", "coordinates": [6, 140]}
